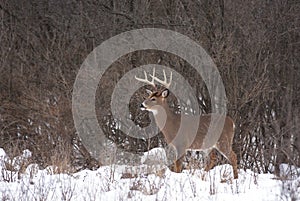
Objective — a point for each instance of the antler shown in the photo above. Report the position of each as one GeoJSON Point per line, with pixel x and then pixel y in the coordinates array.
{"type": "Point", "coordinates": [146, 78]}
{"type": "Point", "coordinates": [164, 83]}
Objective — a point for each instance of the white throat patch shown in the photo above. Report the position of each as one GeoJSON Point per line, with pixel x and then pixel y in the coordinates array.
{"type": "Point", "coordinates": [153, 111]}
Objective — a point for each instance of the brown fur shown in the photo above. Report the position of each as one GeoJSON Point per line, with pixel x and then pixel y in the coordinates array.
{"type": "Point", "coordinates": [169, 123]}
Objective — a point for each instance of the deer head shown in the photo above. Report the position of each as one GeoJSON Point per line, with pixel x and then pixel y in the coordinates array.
{"type": "Point", "coordinates": [157, 98]}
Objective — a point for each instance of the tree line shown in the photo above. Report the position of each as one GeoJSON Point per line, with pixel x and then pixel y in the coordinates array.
{"type": "Point", "coordinates": [255, 45]}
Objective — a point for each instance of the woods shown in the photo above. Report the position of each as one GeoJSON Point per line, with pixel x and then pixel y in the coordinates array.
{"type": "Point", "coordinates": [255, 45]}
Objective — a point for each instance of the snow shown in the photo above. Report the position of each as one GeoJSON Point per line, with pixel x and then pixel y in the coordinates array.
{"type": "Point", "coordinates": [109, 183]}
{"type": "Point", "coordinates": [157, 155]}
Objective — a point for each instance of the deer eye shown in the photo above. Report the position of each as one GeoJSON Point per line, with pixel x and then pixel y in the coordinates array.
{"type": "Point", "coordinates": [153, 99]}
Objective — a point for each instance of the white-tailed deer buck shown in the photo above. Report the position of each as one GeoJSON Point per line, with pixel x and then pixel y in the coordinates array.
{"type": "Point", "coordinates": [169, 123]}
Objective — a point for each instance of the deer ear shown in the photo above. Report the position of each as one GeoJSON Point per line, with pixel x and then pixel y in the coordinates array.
{"type": "Point", "coordinates": [165, 93]}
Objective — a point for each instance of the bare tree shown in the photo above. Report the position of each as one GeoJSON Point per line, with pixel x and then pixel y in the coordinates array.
{"type": "Point", "coordinates": [255, 45]}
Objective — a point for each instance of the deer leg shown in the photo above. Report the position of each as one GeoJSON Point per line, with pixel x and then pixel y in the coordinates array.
{"type": "Point", "coordinates": [212, 161]}
{"type": "Point", "coordinates": [233, 162]}
{"type": "Point", "coordinates": [178, 165]}
{"type": "Point", "coordinates": [231, 157]}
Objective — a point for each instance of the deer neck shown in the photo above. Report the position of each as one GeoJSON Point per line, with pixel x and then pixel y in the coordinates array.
{"type": "Point", "coordinates": [168, 122]}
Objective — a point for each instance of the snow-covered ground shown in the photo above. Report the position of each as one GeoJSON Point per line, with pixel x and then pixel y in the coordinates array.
{"type": "Point", "coordinates": [108, 183]}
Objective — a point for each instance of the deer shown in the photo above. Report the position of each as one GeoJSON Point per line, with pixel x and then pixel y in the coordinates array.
{"type": "Point", "coordinates": [169, 122]}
